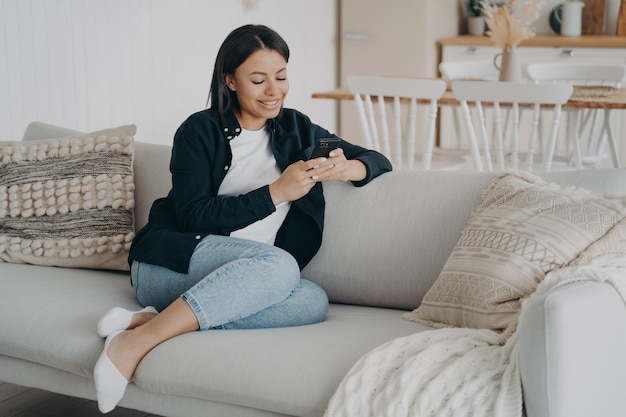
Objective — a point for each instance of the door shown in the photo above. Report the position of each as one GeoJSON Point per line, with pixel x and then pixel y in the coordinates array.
{"type": "Point", "coordinates": [395, 38]}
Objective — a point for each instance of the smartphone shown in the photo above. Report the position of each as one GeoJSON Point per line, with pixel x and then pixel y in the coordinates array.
{"type": "Point", "coordinates": [323, 147]}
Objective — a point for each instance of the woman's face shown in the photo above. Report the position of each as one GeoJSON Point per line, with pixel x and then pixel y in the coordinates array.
{"type": "Point", "coordinates": [261, 85]}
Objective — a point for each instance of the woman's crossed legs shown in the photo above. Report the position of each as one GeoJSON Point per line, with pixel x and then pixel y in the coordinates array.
{"type": "Point", "coordinates": [231, 284]}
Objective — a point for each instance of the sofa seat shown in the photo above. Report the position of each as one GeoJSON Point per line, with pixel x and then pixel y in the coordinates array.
{"type": "Point", "coordinates": [250, 368]}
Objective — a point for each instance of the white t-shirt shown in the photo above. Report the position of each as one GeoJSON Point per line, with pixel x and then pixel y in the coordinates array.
{"type": "Point", "coordinates": [254, 166]}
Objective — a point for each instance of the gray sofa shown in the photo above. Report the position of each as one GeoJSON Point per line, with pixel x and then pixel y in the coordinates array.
{"type": "Point", "coordinates": [383, 248]}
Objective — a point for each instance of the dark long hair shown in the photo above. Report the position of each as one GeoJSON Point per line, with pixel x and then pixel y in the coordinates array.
{"type": "Point", "coordinates": [235, 49]}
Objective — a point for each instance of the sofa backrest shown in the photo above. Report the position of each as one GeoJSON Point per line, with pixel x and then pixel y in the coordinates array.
{"type": "Point", "coordinates": [385, 244]}
{"type": "Point", "coordinates": [152, 178]}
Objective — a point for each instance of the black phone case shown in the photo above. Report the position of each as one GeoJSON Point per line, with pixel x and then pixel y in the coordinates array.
{"type": "Point", "coordinates": [323, 147]}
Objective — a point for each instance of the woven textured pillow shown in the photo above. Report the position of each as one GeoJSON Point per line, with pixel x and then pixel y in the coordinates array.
{"type": "Point", "coordinates": [68, 201]}
{"type": "Point", "coordinates": [522, 229]}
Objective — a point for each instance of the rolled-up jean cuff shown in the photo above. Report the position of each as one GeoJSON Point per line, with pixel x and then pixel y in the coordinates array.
{"type": "Point", "coordinates": [197, 310]}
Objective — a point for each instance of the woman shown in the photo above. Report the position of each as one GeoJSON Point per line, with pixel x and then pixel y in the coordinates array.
{"type": "Point", "coordinates": [245, 214]}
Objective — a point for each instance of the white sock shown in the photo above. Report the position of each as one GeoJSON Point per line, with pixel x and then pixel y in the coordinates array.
{"type": "Point", "coordinates": [110, 383]}
{"type": "Point", "coordinates": [119, 318]}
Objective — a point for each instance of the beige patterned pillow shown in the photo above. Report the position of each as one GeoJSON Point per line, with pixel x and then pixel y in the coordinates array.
{"type": "Point", "coordinates": [68, 201]}
{"type": "Point", "coordinates": [522, 229]}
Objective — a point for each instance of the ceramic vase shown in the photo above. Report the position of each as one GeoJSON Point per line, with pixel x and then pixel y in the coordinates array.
{"type": "Point", "coordinates": [509, 66]}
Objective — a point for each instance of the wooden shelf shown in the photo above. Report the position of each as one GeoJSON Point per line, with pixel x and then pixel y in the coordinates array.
{"type": "Point", "coordinates": [587, 41]}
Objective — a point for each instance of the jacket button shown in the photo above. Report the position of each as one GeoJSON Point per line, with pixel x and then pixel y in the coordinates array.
{"type": "Point", "coordinates": [229, 137]}
{"type": "Point", "coordinates": [226, 168]}
{"type": "Point", "coordinates": [198, 237]}
{"type": "Point", "coordinates": [225, 129]}
{"type": "Point", "coordinates": [237, 130]}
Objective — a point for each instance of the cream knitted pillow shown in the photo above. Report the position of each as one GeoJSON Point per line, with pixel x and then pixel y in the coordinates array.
{"type": "Point", "coordinates": [522, 229]}
{"type": "Point", "coordinates": [68, 201]}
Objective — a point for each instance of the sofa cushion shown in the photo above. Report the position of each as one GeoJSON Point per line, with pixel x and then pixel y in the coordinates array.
{"type": "Point", "coordinates": [150, 167]}
{"type": "Point", "coordinates": [522, 229]}
{"type": "Point", "coordinates": [68, 201]}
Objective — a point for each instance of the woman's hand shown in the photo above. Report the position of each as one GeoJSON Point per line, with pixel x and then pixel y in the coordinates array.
{"type": "Point", "coordinates": [298, 179]}
{"type": "Point", "coordinates": [337, 168]}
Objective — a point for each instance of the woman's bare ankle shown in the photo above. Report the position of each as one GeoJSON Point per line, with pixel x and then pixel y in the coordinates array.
{"type": "Point", "coordinates": [139, 319]}
{"type": "Point", "coordinates": [125, 353]}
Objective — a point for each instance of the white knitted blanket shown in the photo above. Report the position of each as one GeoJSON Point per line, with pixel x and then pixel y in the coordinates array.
{"type": "Point", "coordinates": [453, 372]}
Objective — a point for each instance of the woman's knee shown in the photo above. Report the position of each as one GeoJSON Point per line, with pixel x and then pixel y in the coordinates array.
{"type": "Point", "coordinates": [271, 263]}
{"type": "Point", "coordinates": [283, 267]}
{"type": "Point", "coordinates": [317, 301]}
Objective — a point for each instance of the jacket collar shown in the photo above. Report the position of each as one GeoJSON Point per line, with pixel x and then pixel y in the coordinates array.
{"type": "Point", "coordinates": [231, 127]}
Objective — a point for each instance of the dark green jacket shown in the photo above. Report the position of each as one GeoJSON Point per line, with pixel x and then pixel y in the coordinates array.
{"type": "Point", "coordinates": [201, 158]}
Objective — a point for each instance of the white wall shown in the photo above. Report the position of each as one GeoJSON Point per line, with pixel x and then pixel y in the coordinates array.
{"type": "Point", "coordinates": [92, 64]}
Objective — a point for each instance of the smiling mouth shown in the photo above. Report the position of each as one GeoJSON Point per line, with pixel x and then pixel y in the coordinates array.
{"type": "Point", "coordinates": [270, 103]}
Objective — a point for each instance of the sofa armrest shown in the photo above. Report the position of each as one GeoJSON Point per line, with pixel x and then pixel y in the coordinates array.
{"type": "Point", "coordinates": [572, 352]}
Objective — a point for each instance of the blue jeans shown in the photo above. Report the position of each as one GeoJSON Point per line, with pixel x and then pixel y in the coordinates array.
{"type": "Point", "coordinates": [235, 284]}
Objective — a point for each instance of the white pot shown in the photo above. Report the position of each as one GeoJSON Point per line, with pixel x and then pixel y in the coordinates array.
{"type": "Point", "coordinates": [476, 25]}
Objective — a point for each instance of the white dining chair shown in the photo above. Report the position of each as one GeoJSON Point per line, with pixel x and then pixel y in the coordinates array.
{"type": "Point", "coordinates": [583, 124]}
{"type": "Point", "coordinates": [463, 70]}
{"type": "Point", "coordinates": [399, 142]}
{"type": "Point", "coordinates": [491, 136]}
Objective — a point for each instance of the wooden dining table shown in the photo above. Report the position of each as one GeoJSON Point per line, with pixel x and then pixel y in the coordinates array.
{"type": "Point", "coordinates": [607, 99]}
{"type": "Point", "coordinates": [614, 101]}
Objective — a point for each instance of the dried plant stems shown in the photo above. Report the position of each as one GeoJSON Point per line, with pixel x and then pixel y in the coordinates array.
{"type": "Point", "coordinates": [509, 24]}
